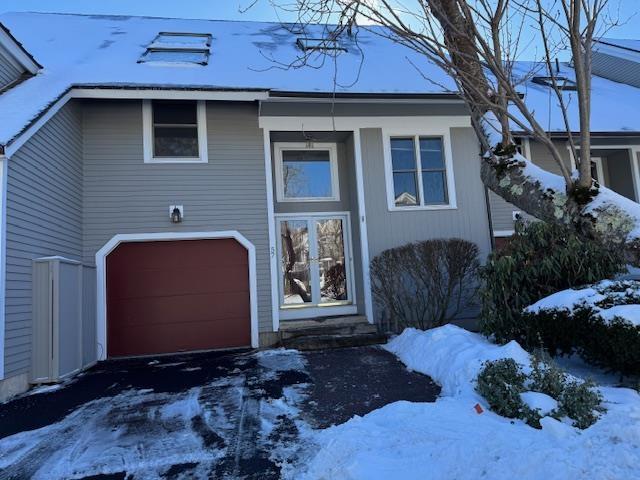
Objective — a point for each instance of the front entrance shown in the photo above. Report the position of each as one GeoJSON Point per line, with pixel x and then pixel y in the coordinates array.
{"type": "Point", "coordinates": [316, 273]}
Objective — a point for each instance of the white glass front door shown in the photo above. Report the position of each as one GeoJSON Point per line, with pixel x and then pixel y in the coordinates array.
{"type": "Point", "coordinates": [315, 265]}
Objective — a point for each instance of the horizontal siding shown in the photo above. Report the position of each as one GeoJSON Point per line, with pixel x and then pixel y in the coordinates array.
{"type": "Point", "coordinates": [44, 217]}
{"type": "Point", "coordinates": [9, 72]}
{"type": "Point", "coordinates": [122, 194]}
{"type": "Point", "coordinates": [616, 68]}
{"type": "Point", "coordinates": [469, 221]}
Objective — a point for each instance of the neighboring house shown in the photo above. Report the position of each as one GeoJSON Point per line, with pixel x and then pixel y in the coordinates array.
{"type": "Point", "coordinates": [172, 185]}
{"type": "Point", "coordinates": [615, 133]}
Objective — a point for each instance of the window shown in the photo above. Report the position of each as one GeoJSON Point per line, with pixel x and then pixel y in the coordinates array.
{"type": "Point", "coordinates": [306, 172]}
{"type": "Point", "coordinates": [174, 131]}
{"type": "Point", "coordinates": [563, 83]}
{"type": "Point", "coordinates": [319, 44]}
{"type": "Point", "coordinates": [418, 173]}
{"type": "Point", "coordinates": [170, 48]}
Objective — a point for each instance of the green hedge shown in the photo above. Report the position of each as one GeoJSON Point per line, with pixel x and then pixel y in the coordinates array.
{"type": "Point", "coordinates": [612, 344]}
{"type": "Point", "coordinates": [540, 259]}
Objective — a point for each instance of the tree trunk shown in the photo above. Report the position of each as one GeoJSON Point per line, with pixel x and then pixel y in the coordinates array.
{"type": "Point", "coordinates": [609, 219]}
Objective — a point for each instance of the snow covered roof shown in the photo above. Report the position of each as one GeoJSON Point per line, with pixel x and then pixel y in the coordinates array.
{"type": "Point", "coordinates": [623, 43]}
{"type": "Point", "coordinates": [17, 50]}
{"type": "Point", "coordinates": [104, 51]}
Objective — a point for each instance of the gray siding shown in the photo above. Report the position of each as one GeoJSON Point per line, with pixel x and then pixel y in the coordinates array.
{"type": "Point", "coordinates": [122, 194]}
{"type": "Point", "coordinates": [44, 218]}
{"type": "Point", "coordinates": [362, 109]}
{"type": "Point", "coordinates": [9, 72]}
{"type": "Point", "coordinates": [501, 210]}
{"type": "Point", "coordinates": [616, 69]}
{"type": "Point", "coordinates": [469, 221]}
{"type": "Point", "coordinates": [619, 176]}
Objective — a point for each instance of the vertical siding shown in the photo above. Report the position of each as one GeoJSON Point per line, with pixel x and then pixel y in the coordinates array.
{"type": "Point", "coordinates": [44, 218]}
{"type": "Point", "coordinates": [616, 68]}
{"type": "Point", "coordinates": [9, 72]}
{"type": "Point", "coordinates": [390, 229]}
{"type": "Point", "coordinates": [501, 210]}
{"type": "Point", "coordinates": [122, 194]}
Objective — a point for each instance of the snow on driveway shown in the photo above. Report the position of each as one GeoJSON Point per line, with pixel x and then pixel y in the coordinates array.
{"type": "Point", "coordinates": [448, 439]}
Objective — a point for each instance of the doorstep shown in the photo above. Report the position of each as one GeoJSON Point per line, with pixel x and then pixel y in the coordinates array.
{"type": "Point", "coordinates": [329, 332]}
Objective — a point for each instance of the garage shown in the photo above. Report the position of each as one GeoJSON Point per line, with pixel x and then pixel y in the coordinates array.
{"type": "Point", "coordinates": [177, 296]}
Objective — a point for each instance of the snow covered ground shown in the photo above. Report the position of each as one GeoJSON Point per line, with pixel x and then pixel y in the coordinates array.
{"type": "Point", "coordinates": [449, 439]}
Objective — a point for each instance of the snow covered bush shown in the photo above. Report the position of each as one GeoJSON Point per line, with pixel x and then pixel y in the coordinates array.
{"type": "Point", "coordinates": [540, 259]}
{"type": "Point", "coordinates": [424, 284]}
{"type": "Point", "coordinates": [600, 322]}
{"type": "Point", "coordinates": [546, 391]}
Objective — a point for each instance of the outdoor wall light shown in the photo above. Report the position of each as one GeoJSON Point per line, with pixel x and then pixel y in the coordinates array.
{"type": "Point", "coordinates": [176, 213]}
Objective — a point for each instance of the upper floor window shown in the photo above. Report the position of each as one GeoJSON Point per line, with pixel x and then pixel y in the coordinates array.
{"type": "Point", "coordinates": [174, 131]}
{"type": "Point", "coordinates": [306, 172]}
{"type": "Point", "coordinates": [419, 175]}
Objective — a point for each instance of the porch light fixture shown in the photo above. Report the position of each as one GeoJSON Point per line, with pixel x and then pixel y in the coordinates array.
{"type": "Point", "coordinates": [175, 213]}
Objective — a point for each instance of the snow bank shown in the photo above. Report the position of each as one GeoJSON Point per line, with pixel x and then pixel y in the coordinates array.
{"type": "Point", "coordinates": [451, 355]}
{"type": "Point", "coordinates": [449, 439]}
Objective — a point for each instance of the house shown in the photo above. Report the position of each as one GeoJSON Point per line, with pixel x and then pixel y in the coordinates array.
{"type": "Point", "coordinates": [177, 185]}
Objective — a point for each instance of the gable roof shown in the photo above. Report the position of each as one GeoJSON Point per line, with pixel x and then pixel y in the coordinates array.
{"type": "Point", "coordinates": [98, 51]}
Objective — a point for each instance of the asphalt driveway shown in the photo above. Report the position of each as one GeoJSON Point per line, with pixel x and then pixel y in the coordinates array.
{"type": "Point", "coordinates": [211, 415]}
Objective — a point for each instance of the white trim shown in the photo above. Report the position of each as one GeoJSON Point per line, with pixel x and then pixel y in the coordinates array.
{"type": "Point", "coordinates": [503, 233]}
{"type": "Point", "coordinates": [635, 169]}
{"type": "Point", "coordinates": [349, 124]}
{"type": "Point", "coordinates": [136, 94]}
{"type": "Point", "coordinates": [169, 94]}
{"type": "Point", "coordinates": [101, 258]}
{"type": "Point", "coordinates": [364, 241]}
{"type": "Point", "coordinates": [599, 170]}
{"type": "Point", "coordinates": [147, 135]}
{"type": "Point", "coordinates": [280, 147]}
{"type": "Point", "coordinates": [18, 53]}
{"type": "Point", "coordinates": [3, 258]}
{"type": "Point", "coordinates": [346, 307]}
{"type": "Point", "coordinates": [273, 253]}
{"type": "Point", "coordinates": [316, 311]}
{"type": "Point", "coordinates": [442, 131]}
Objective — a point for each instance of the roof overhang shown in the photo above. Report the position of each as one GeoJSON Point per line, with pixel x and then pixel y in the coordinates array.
{"type": "Point", "coordinates": [116, 92]}
{"type": "Point", "coordinates": [17, 51]}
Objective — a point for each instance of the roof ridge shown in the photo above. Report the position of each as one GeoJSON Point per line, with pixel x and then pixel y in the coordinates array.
{"type": "Point", "coordinates": [151, 17]}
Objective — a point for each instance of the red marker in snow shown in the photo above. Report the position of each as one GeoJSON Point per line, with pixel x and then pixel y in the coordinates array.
{"type": "Point", "coordinates": [478, 408]}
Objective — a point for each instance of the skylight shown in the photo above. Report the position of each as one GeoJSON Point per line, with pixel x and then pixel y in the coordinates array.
{"type": "Point", "coordinates": [319, 44]}
{"type": "Point", "coordinates": [178, 49]}
{"type": "Point", "coordinates": [562, 83]}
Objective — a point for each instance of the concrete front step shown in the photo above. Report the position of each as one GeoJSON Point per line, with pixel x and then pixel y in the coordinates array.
{"type": "Point", "coordinates": [320, 342]}
{"type": "Point", "coordinates": [324, 322]}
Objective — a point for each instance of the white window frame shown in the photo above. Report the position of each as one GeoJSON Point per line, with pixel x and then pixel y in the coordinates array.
{"type": "Point", "coordinates": [445, 134]}
{"type": "Point", "coordinates": [280, 147]}
{"type": "Point", "coordinates": [147, 131]}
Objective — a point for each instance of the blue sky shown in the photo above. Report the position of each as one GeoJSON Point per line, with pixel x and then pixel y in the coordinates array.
{"type": "Point", "coordinates": [629, 10]}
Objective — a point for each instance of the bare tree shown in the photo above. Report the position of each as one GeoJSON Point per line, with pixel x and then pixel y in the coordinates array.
{"type": "Point", "coordinates": [478, 42]}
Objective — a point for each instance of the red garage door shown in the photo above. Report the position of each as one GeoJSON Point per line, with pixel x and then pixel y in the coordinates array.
{"type": "Point", "coordinates": [176, 296]}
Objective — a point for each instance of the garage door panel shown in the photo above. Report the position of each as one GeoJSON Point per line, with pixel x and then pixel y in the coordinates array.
{"type": "Point", "coordinates": [141, 255]}
{"type": "Point", "coordinates": [161, 282]}
{"type": "Point", "coordinates": [184, 308]}
{"type": "Point", "coordinates": [174, 296]}
{"type": "Point", "coordinates": [174, 337]}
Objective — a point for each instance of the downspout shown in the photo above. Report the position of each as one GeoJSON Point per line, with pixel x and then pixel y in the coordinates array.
{"type": "Point", "coordinates": [3, 257]}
